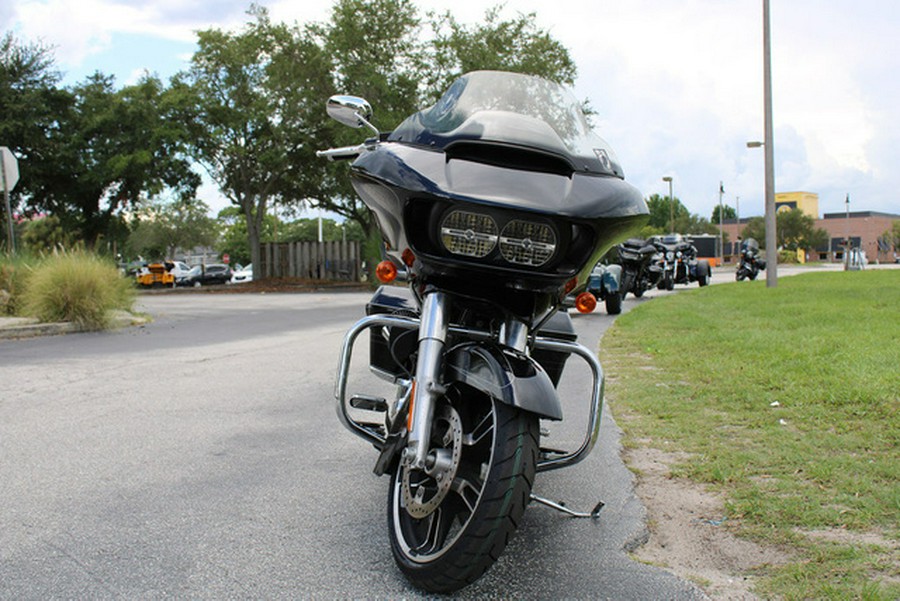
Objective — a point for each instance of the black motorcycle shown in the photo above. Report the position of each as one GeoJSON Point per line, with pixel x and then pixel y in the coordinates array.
{"type": "Point", "coordinates": [751, 262]}
{"type": "Point", "coordinates": [679, 262]}
{"type": "Point", "coordinates": [642, 268]}
{"type": "Point", "coordinates": [493, 205]}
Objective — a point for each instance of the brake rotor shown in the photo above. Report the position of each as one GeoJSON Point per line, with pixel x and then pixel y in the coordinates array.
{"type": "Point", "coordinates": [424, 490]}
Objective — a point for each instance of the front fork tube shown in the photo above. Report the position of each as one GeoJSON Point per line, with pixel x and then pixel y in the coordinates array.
{"type": "Point", "coordinates": [428, 386]}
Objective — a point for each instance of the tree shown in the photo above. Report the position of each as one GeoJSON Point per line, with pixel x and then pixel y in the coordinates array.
{"type": "Point", "coordinates": [514, 45]}
{"type": "Point", "coordinates": [165, 227]}
{"type": "Point", "coordinates": [727, 213]}
{"type": "Point", "coordinates": [234, 241]}
{"type": "Point", "coordinates": [29, 102]}
{"type": "Point", "coordinates": [45, 233]}
{"type": "Point", "coordinates": [307, 230]}
{"type": "Point", "coordinates": [661, 211]}
{"type": "Point", "coordinates": [756, 229]}
{"type": "Point", "coordinates": [793, 230]}
{"type": "Point", "coordinates": [104, 150]}
{"type": "Point", "coordinates": [254, 101]}
{"type": "Point", "coordinates": [891, 238]}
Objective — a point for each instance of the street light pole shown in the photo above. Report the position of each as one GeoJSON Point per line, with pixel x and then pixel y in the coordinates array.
{"type": "Point", "coordinates": [668, 179]}
{"type": "Point", "coordinates": [721, 225]}
{"type": "Point", "coordinates": [847, 240]}
{"type": "Point", "coordinates": [771, 250]}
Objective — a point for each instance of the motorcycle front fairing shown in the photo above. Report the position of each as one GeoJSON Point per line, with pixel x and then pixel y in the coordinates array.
{"type": "Point", "coordinates": [511, 147]}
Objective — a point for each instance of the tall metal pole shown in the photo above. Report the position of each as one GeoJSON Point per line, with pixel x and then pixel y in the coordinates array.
{"type": "Point", "coordinates": [721, 225]}
{"type": "Point", "coordinates": [668, 178]}
{"type": "Point", "coordinates": [771, 249]}
{"type": "Point", "coordinates": [847, 240]}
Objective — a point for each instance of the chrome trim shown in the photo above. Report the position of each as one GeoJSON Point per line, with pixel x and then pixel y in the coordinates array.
{"type": "Point", "coordinates": [340, 384]}
{"type": "Point", "coordinates": [432, 336]}
{"type": "Point", "coordinates": [593, 429]}
{"type": "Point", "coordinates": [367, 433]}
{"type": "Point", "coordinates": [514, 334]}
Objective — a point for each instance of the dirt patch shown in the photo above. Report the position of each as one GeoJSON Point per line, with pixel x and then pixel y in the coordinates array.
{"type": "Point", "coordinates": [689, 533]}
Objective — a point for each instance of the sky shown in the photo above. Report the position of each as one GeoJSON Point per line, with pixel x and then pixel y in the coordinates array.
{"type": "Point", "coordinates": [678, 86]}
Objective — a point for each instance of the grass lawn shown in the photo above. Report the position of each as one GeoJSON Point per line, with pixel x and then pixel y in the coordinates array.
{"type": "Point", "coordinates": [788, 400]}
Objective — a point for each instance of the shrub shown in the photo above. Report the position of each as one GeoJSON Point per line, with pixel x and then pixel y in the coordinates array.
{"type": "Point", "coordinates": [76, 286]}
{"type": "Point", "coordinates": [13, 272]}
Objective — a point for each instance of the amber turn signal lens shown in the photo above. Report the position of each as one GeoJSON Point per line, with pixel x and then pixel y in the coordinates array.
{"type": "Point", "coordinates": [585, 302]}
{"type": "Point", "coordinates": [386, 272]}
{"type": "Point", "coordinates": [408, 257]}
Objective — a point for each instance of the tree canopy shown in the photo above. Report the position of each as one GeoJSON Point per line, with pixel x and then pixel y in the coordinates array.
{"type": "Point", "coordinates": [794, 230]}
{"type": "Point", "coordinates": [727, 213]}
{"type": "Point", "coordinates": [249, 110]}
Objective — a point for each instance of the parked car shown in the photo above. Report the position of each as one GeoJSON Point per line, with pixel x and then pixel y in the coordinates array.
{"type": "Point", "coordinates": [243, 274]}
{"type": "Point", "coordinates": [206, 275]}
{"type": "Point", "coordinates": [178, 268]}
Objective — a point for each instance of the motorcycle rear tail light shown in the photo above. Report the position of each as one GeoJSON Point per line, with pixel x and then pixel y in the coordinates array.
{"type": "Point", "coordinates": [527, 242]}
{"type": "Point", "coordinates": [469, 234]}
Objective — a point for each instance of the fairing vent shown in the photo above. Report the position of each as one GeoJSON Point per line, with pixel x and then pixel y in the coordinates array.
{"type": "Point", "coordinates": [510, 157]}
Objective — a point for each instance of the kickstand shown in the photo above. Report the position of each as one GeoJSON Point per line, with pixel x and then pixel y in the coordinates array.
{"type": "Point", "coordinates": [595, 513]}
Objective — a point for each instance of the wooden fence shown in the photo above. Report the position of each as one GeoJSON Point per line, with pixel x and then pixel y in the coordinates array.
{"type": "Point", "coordinates": [311, 260]}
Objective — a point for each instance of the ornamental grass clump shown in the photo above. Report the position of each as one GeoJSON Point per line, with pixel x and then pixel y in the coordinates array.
{"type": "Point", "coordinates": [13, 273]}
{"type": "Point", "coordinates": [76, 287]}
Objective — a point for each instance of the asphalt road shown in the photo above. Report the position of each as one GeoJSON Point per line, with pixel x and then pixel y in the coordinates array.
{"type": "Point", "coordinates": [200, 456]}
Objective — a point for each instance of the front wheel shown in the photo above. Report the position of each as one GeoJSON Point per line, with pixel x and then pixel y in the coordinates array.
{"type": "Point", "coordinates": [447, 527]}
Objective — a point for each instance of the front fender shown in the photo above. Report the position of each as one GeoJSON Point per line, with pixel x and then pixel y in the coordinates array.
{"type": "Point", "coordinates": [509, 377]}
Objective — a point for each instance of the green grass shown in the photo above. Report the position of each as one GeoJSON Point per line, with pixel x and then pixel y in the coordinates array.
{"type": "Point", "coordinates": [75, 286]}
{"type": "Point", "coordinates": [788, 400]}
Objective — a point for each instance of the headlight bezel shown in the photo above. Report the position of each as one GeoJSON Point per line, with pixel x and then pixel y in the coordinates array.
{"type": "Point", "coordinates": [508, 233]}
{"type": "Point", "coordinates": [575, 241]}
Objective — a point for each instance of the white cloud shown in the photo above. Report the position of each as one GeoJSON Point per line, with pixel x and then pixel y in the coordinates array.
{"type": "Point", "coordinates": [678, 85]}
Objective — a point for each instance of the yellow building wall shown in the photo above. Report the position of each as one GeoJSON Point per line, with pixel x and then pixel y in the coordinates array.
{"type": "Point", "coordinates": [808, 202]}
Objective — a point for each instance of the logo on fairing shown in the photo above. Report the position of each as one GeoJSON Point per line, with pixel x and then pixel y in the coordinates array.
{"type": "Point", "coordinates": [604, 158]}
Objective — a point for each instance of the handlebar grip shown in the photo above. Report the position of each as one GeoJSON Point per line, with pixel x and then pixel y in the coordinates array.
{"type": "Point", "coordinates": [342, 153]}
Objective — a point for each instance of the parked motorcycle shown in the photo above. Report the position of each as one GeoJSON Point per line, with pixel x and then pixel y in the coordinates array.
{"type": "Point", "coordinates": [680, 264]}
{"type": "Point", "coordinates": [493, 205]}
{"type": "Point", "coordinates": [751, 261]}
{"type": "Point", "coordinates": [642, 267]}
{"type": "Point", "coordinates": [605, 284]}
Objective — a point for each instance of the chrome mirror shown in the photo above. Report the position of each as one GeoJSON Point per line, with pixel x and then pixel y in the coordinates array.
{"type": "Point", "coordinates": [350, 110]}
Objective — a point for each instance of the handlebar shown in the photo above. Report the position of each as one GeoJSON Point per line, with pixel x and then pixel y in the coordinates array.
{"type": "Point", "coordinates": [343, 152]}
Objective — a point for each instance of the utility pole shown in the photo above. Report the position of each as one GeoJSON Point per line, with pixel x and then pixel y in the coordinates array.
{"type": "Point", "coordinates": [771, 249]}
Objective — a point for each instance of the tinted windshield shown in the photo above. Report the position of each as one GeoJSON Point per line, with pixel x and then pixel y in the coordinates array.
{"type": "Point", "coordinates": [511, 108]}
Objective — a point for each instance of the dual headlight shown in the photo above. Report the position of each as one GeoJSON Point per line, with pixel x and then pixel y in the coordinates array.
{"type": "Point", "coordinates": [521, 242]}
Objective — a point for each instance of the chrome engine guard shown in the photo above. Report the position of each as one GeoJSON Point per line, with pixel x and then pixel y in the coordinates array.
{"type": "Point", "coordinates": [371, 434]}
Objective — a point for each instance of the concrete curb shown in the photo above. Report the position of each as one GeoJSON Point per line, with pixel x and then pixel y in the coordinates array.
{"type": "Point", "coordinates": [12, 328]}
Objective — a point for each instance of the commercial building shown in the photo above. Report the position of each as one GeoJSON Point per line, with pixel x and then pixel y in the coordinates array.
{"type": "Point", "coordinates": [863, 228]}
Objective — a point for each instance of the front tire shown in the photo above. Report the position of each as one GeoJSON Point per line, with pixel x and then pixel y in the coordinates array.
{"type": "Point", "coordinates": [454, 543]}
